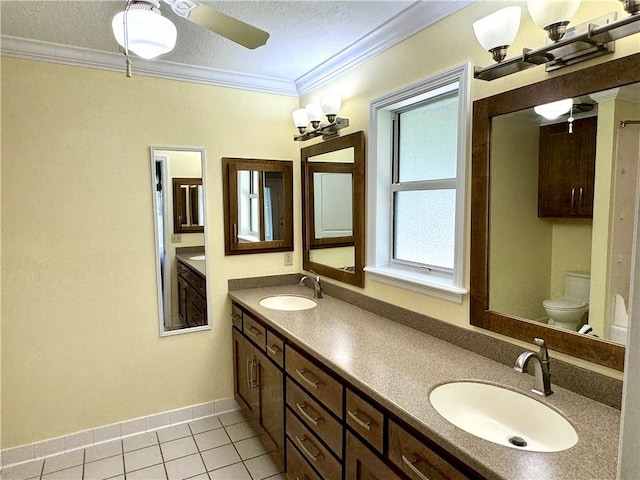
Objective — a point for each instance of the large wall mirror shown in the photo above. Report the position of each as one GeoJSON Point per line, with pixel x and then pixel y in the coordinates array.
{"type": "Point", "coordinates": [333, 208]}
{"type": "Point", "coordinates": [179, 191]}
{"type": "Point", "coordinates": [258, 205]}
{"type": "Point", "coordinates": [554, 201]}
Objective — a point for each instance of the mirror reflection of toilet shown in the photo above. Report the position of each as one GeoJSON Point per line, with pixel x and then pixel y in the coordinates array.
{"type": "Point", "coordinates": [569, 310]}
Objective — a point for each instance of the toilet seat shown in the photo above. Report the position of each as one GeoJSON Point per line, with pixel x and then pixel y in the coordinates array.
{"type": "Point", "coordinates": [563, 304]}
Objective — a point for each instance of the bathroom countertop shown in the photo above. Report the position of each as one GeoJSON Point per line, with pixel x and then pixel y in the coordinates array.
{"type": "Point", "coordinates": [399, 367]}
{"type": "Point", "coordinates": [197, 265]}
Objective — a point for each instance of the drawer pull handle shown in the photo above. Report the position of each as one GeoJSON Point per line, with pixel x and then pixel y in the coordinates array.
{"type": "Point", "coordinates": [313, 419]}
{"type": "Point", "coordinates": [314, 456]}
{"type": "Point", "coordinates": [273, 349]}
{"type": "Point", "coordinates": [311, 382]}
{"type": "Point", "coordinates": [410, 464]}
{"type": "Point", "coordinates": [253, 331]}
{"type": "Point", "coordinates": [366, 423]}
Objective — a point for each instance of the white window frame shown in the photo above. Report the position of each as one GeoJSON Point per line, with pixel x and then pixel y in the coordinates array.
{"type": "Point", "coordinates": [380, 267]}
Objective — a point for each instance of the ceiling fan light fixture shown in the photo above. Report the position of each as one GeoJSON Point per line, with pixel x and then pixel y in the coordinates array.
{"type": "Point", "coordinates": [149, 34]}
{"type": "Point", "coordinates": [553, 110]}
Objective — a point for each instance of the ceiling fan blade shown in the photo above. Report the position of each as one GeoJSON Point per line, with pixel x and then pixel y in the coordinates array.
{"type": "Point", "coordinates": [229, 27]}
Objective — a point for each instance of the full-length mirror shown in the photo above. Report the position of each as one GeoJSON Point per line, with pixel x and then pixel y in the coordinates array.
{"type": "Point", "coordinates": [258, 205]}
{"type": "Point", "coordinates": [333, 208]}
{"type": "Point", "coordinates": [179, 219]}
{"type": "Point", "coordinates": [554, 201]}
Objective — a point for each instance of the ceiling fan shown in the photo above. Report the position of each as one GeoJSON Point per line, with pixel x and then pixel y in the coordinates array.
{"type": "Point", "coordinates": [141, 29]}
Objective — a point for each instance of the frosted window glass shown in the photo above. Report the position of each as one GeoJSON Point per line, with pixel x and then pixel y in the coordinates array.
{"type": "Point", "coordinates": [425, 226]}
{"type": "Point", "coordinates": [428, 141]}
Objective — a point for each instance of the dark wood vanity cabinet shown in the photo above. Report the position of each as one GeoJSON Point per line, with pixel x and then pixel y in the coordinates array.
{"type": "Point", "coordinates": [192, 296]}
{"type": "Point", "coordinates": [566, 169]}
{"type": "Point", "coordinates": [321, 426]}
{"type": "Point", "coordinates": [258, 381]}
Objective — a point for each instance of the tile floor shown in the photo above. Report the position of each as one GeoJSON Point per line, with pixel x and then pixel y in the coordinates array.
{"type": "Point", "coordinates": [221, 447]}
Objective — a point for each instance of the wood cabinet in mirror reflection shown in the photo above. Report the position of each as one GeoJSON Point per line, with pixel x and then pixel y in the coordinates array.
{"type": "Point", "coordinates": [333, 208]}
{"type": "Point", "coordinates": [258, 205]}
{"type": "Point", "coordinates": [188, 205]}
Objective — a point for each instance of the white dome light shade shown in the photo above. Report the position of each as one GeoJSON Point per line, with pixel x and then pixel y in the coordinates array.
{"type": "Point", "coordinates": [314, 111]}
{"type": "Point", "coordinates": [331, 104]}
{"type": "Point", "coordinates": [300, 118]}
{"type": "Point", "coordinates": [498, 30]}
{"type": "Point", "coordinates": [550, 12]}
{"type": "Point", "coordinates": [553, 110]}
{"type": "Point", "coordinates": [149, 33]}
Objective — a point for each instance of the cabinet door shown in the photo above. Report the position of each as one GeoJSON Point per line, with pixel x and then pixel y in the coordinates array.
{"type": "Point", "coordinates": [362, 464]}
{"type": "Point", "coordinates": [271, 392]}
{"type": "Point", "coordinates": [183, 299]}
{"type": "Point", "coordinates": [566, 169]}
{"type": "Point", "coordinates": [244, 372]}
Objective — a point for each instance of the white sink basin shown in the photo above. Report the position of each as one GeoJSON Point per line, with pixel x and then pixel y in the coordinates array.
{"type": "Point", "coordinates": [503, 416]}
{"type": "Point", "coordinates": [287, 302]}
{"type": "Point", "coordinates": [197, 257]}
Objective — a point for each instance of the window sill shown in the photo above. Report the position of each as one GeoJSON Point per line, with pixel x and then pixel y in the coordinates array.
{"type": "Point", "coordinates": [430, 284]}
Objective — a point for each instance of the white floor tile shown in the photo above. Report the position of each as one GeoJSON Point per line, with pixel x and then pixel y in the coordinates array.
{"type": "Point", "coordinates": [64, 461]}
{"type": "Point", "coordinates": [236, 472]}
{"type": "Point", "coordinates": [185, 467]}
{"type": "Point", "coordinates": [142, 458]}
{"type": "Point", "coordinates": [205, 424]}
{"type": "Point", "coordinates": [74, 473]}
{"type": "Point", "coordinates": [212, 439]}
{"type": "Point", "coordinates": [237, 416]}
{"type": "Point", "coordinates": [172, 433]}
{"type": "Point", "coordinates": [279, 476]}
{"type": "Point", "coordinates": [23, 471]}
{"type": "Point", "coordinates": [155, 472]}
{"type": "Point", "coordinates": [220, 457]}
{"type": "Point", "coordinates": [178, 448]}
{"type": "Point", "coordinates": [104, 450]}
{"type": "Point", "coordinates": [139, 441]}
{"type": "Point", "coordinates": [261, 467]}
{"type": "Point", "coordinates": [105, 468]}
{"type": "Point", "coordinates": [250, 447]}
{"type": "Point", "coordinates": [240, 431]}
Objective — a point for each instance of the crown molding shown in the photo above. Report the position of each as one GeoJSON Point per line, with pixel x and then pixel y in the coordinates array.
{"type": "Point", "coordinates": [410, 21]}
{"type": "Point", "coordinates": [85, 57]}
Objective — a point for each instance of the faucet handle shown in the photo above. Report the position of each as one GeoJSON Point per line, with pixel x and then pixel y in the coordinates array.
{"type": "Point", "coordinates": [544, 354]}
{"type": "Point", "coordinates": [317, 276]}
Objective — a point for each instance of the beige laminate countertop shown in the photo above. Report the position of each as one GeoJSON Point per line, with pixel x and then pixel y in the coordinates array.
{"type": "Point", "coordinates": [197, 265]}
{"type": "Point", "coordinates": [399, 367]}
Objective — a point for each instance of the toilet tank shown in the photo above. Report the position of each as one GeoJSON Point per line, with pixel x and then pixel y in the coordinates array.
{"type": "Point", "coordinates": [576, 286]}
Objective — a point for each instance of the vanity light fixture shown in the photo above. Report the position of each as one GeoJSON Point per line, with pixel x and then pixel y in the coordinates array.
{"type": "Point", "coordinates": [566, 46]}
{"type": "Point", "coordinates": [141, 29]}
{"type": "Point", "coordinates": [329, 106]}
{"type": "Point", "coordinates": [497, 40]}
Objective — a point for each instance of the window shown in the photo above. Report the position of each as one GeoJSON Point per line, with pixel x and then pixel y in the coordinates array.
{"type": "Point", "coordinates": [417, 159]}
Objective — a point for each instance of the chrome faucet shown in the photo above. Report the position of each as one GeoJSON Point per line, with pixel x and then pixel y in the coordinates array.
{"type": "Point", "coordinates": [542, 377]}
{"type": "Point", "coordinates": [315, 281]}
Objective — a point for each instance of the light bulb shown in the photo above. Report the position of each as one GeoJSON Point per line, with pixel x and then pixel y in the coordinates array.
{"type": "Point", "coordinates": [149, 34]}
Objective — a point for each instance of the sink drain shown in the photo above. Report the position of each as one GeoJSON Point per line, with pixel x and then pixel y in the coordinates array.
{"type": "Point", "coordinates": [518, 441]}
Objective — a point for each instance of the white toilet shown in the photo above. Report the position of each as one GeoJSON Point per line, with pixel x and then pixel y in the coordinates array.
{"type": "Point", "coordinates": [568, 311]}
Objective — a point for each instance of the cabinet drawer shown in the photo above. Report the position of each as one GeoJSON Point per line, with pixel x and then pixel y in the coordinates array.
{"type": "Point", "coordinates": [315, 380]}
{"type": "Point", "coordinates": [275, 348]}
{"type": "Point", "coordinates": [297, 467]}
{"type": "Point", "coordinates": [317, 419]}
{"type": "Point", "coordinates": [311, 449]}
{"type": "Point", "coordinates": [236, 316]}
{"type": "Point", "coordinates": [417, 460]}
{"type": "Point", "coordinates": [254, 331]}
{"type": "Point", "coordinates": [365, 419]}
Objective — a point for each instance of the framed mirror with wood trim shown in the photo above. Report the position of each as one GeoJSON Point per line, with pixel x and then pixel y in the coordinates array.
{"type": "Point", "coordinates": [333, 208]}
{"type": "Point", "coordinates": [258, 205]}
{"type": "Point", "coordinates": [543, 237]}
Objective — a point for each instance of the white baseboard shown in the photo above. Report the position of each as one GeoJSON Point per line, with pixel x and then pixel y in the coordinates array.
{"type": "Point", "coordinates": [86, 438]}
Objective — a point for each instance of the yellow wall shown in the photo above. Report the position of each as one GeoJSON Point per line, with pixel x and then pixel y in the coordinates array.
{"type": "Point", "coordinates": [80, 343]}
{"type": "Point", "coordinates": [520, 274]}
{"type": "Point", "coordinates": [448, 43]}
{"type": "Point", "coordinates": [571, 251]}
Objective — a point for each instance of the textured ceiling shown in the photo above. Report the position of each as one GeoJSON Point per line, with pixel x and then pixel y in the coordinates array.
{"type": "Point", "coordinates": [304, 34]}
